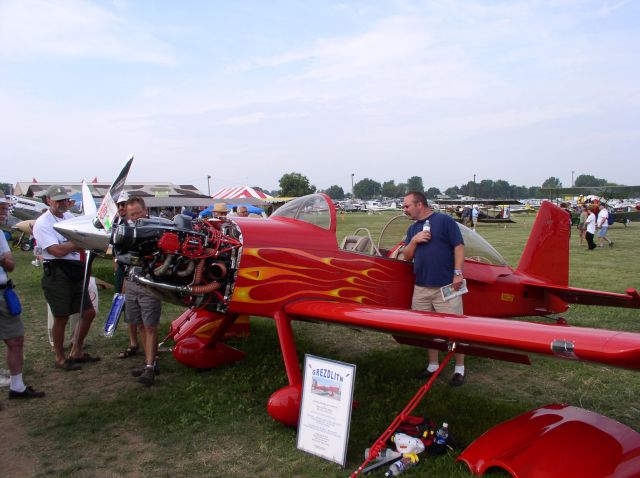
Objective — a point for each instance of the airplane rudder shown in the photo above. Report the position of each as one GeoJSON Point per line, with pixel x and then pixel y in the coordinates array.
{"type": "Point", "coordinates": [546, 254]}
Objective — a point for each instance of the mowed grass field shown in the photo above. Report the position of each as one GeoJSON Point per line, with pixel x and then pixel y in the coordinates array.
{"type": "Point", "coordinates": [99, 422]}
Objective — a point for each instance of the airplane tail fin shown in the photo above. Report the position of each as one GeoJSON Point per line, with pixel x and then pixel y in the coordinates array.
{"type": "Point", "coordinates": [546, 255]}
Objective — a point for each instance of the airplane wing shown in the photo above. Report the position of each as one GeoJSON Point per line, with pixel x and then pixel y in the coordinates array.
{"type": "Point", "coordinates": [609, 192]}
{"type": "Point", "coordinates": [573, 295]}
{"type": "Point", "coordinates": [616, 348]}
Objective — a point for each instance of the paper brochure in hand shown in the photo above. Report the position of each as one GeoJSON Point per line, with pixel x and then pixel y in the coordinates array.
{"type": "Point", "coordinates": [448, 292]}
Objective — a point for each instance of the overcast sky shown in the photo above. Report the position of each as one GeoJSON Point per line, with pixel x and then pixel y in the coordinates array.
{"type": "Point", "coordinates": [247, 91]}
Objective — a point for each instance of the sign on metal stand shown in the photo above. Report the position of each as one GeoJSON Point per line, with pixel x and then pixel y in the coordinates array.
{"type": "Point", "coordinates": [325, 410]}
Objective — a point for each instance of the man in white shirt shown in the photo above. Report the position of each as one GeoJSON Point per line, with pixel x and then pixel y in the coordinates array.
{"type": "Point", "coordinates": [603, 225]}
{"type": "Point", "coordinates": [11, 326]}
{"type": "Point", "coordinates": [590, 227]}
{"type": "Point", "coordinates": [63, 279]}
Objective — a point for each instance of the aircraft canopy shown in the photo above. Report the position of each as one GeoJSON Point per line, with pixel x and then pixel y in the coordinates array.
{"type": "Point", "coordinates": [314, 209]}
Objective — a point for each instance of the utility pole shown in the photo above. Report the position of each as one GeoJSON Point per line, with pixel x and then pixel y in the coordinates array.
{"type": "Point", "coordinates": [572, 173]}
{"type": "Point", "coordinates": [352, 195]}
{"type": "Point", "coordinates": [208, 185]}
{"type": "Point", "coordinates": [474, 186]}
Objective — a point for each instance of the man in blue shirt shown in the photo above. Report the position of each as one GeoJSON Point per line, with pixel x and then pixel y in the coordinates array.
{"type": "Point", "coordinates": [437, 251]}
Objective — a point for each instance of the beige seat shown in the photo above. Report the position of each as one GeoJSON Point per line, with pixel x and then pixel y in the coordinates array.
{"type": "Point", "coordinates": [356, 243]}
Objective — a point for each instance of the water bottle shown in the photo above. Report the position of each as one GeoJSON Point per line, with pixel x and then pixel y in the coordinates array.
{"type": "Point", "coordinates": [426, 226]}
{"type": "Point", "coordinates": [442, 434]}
{"type": "Point", "coordinates": [383, 454]}
{"type": "Point", "coordinates": [399, 467]}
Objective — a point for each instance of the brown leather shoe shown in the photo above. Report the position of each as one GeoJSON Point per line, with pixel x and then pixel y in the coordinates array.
{"type": "Point", "coordinates": [456, 380]}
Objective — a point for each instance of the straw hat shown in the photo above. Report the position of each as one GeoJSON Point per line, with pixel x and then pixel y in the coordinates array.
{"type": "Point", "coordinates": [220, 208]}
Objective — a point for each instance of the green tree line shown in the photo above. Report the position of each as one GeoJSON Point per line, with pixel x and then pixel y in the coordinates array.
{"type": "Point", "coordinates": [296, 184]}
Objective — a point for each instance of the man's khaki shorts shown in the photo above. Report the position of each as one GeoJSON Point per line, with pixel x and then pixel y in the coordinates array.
{"type": "Point", "coordinates": [10, 326]}
{"type": "Point", "coordinates": [430, 299]}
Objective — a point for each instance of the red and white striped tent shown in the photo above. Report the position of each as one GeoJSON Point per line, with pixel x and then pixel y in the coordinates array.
{"type": "Point", "coordinates": [241, 192]}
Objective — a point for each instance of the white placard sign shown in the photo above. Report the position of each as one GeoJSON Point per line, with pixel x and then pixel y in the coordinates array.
{"type": "Point", "coordinates": [325, 411]}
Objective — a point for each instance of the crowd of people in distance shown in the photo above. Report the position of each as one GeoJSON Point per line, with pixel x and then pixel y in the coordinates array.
{"type": "Point", "coordinates": [594, 218]}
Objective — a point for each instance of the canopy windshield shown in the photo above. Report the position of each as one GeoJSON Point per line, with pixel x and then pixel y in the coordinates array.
{"type": "Point", "coordinates": [313, 209]}
{"type": "Point", "coordinates": [476, 248]}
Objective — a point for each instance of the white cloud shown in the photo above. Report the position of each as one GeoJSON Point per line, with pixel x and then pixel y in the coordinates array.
{"type": "Point", "coordinates": [609, 7]}
{"type": "Point", "coordinates": [74, 29]}
{"type": "Point", "coordinates": [496, 84]}
{"type": "Point", "coordinates": [258, 117]}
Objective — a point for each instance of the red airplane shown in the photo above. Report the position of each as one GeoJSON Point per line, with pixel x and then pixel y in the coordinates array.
{"type": "Point", "coordinates": [324, 388]}
{"type": "Point", "coordinates": [290, 267]}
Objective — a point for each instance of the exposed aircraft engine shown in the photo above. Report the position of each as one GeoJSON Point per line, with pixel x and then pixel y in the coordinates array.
{"type": "Point", "coordinates": [188, 262]}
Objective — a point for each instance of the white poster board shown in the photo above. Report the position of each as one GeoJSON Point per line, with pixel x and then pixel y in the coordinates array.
{"type": "Point", "coordinates": [325, 411]}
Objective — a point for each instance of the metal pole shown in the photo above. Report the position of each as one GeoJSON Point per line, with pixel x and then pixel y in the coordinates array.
{"type": "Point", "coordinates": [352, 195]}
{"type": "Point", "coordinates": [474, 186]}
{"type": "Point", "coordinates": [208, 185]}
{"type": "Point", "coordinates": [572, 173]}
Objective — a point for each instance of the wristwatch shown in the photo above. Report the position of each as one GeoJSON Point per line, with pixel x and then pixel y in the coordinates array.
{"type": "Point", "coordinates": [457, 272]}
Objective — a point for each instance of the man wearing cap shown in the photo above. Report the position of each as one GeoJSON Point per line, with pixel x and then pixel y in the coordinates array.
{"type": "Point", "coordinates": [63, 280]}
{"type": "Point", "coordinates": [11, 326]}
{"type": "Point", "coordinates": [121, 218]}
{"type": "Point", "coordinates": [120, 273]}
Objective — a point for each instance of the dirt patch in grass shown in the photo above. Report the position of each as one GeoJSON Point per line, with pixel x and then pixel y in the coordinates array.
{"type": "Point", "coordinates": [58, 434]}
{"type": "Point", "coordinates": [15, 458]}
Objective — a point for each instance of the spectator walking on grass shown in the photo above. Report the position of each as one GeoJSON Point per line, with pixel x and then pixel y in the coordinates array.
{"type": "Point", "coordinates": [582, 224]}
{"type": "Point", "coordinates": [11, 325]}
{"type": "Point", "coordinates": [603, 225]}
{"type": "Point", "coordinates": [475, 213]}
{"type": "Point", "coordinates": [590, 228]}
